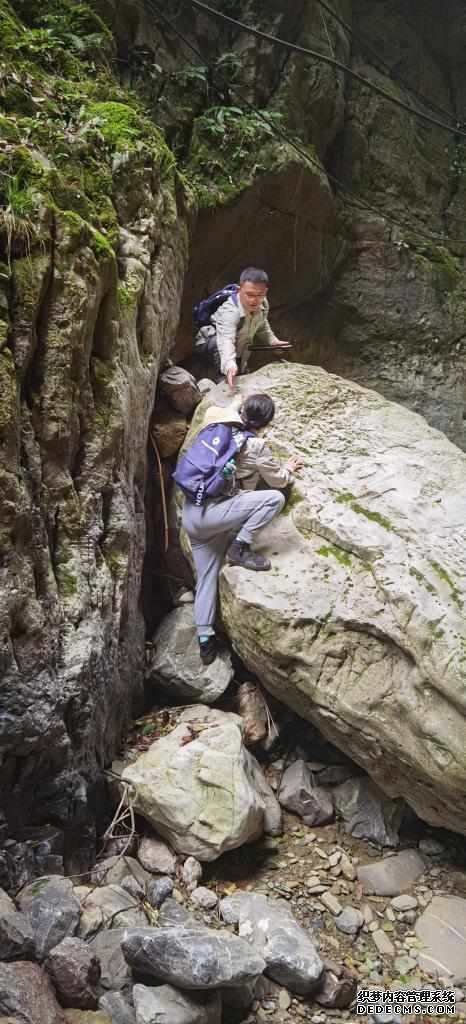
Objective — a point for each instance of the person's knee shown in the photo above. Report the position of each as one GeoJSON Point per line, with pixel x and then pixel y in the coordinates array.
{"type": "Point", "coordinates": [278, 500]}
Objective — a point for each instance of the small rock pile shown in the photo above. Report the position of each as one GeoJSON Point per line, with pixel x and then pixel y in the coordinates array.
{"type": "Point", "coordinates": [145, 941]}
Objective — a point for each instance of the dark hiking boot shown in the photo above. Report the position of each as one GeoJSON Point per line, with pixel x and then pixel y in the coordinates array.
{"type": "Point", "coordinates": [240, 553]}
{"type": "Point", "coordinates": [208, 649]}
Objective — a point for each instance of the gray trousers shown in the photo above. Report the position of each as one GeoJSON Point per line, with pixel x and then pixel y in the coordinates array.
{"type": "Point", "coordinates": [210, 528]}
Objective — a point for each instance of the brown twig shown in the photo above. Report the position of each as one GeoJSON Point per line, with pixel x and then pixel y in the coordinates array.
{"type": "Point", "coordinates": [162, 489]}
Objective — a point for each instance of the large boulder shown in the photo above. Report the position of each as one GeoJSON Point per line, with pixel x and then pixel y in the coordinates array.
{"type": "Point", "coordinates": [192, 958]}
{"type": "Point", "coordinates": [360, 626]}
{"type": "Point", "coordinates": [175, 664]}
{"type": "Point", "coordinates": [199, 787]}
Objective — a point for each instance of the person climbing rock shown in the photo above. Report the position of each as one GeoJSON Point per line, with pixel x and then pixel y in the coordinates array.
{"type": "Point", "coordinates": [228, 522]}
{"type": "Point", "coordinates": [233, 320]}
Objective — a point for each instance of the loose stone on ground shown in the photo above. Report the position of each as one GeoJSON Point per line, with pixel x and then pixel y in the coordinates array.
{"type": "Point", "coordinates": [388, 877]}
{"type": "Point", "coordinates": [192, 958]}
{"type": "Point", "coordinates": [290, 955]}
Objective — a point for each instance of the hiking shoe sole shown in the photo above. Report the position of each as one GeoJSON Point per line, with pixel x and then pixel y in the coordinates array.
{"type": "Point", "coordinates": [252, 565]}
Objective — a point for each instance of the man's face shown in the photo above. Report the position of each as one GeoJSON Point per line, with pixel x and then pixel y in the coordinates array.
{"type": "Point", "coordinates": [252, 296]}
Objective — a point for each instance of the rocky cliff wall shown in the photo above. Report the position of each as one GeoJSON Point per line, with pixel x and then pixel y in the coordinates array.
{"type": "Point", "coordinates": [393, 319]}
{"type": "Point", "coordinates": [94, 252]}
{"type": "Point", "coordinates": [380, 302]}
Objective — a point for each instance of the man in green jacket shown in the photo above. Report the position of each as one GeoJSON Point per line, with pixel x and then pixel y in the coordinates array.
{"type": "Point", "coordinates": [237, 325]}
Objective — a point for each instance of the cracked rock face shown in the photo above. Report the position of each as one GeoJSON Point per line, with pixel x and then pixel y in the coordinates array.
{"type": "Point", "coordinates": [359, 626]}
{"type": "Point", "coordinates": [88, 336]}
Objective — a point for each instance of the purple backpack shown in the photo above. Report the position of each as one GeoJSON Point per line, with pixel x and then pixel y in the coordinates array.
{"type": "Point", "coordinates": [204, 469]}
{"type": "Point", "coordinates": [204, 309]}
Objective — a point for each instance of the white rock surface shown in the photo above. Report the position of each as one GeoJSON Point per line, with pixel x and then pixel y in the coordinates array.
{"type": "Point", "coordinates": [197, 786]}
{"type": "Point", "coordinates": [360, 626]}
{"type": "Point", "coordinates": [442, 929]}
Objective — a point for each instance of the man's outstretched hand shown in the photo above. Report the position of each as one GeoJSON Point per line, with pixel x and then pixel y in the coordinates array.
{"type": "Point", "coordinates": [231, 377]}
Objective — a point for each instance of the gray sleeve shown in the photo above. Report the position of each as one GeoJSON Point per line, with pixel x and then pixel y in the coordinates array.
{"type": "Point", "coordinates": [256, 459]}
{"type": "Point", "coordinates": [270, 469]}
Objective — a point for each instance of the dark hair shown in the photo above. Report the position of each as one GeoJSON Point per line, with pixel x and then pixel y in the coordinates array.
{"type": "Point", "coordinates": [258, 410]}
{"type": "Point", "coordinates": [254, 276]}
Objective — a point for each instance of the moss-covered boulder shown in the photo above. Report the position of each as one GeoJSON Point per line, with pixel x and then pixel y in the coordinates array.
{"type": "Point", "coordinates": [360, 626]}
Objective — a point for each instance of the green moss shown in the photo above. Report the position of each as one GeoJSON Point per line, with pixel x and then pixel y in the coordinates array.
{"type": "Point", "coordinates": [3, 333]}
{"type": "Point", "coordinates": [68, 584]}
{"type": "Point", "coordinates": [342, 556]}
{"type": "Point", "coordinates": [9, 129]}
{"type": "Point", "coordinates": [117, 122]}
{"type": "Point", "coordinates": [421, 579]}
{"type": "Point", "coordinates": [106, 406]}
{"type": "Point", "coordinates": [294, 499]}
{"type": "Point", "coordinates": [127, 297]}
{"type": "Point", "coordinates": [69, 114]}
{"type": "Point", "coordinates": [11, 29]}
{"type": "Point", "coordinates": [125, 128]}
{"type": "Point", "coordinates": [446, 578]}
{"type": "Point", "coordinates": [8, 389]}
{"type": "Point", "coordinates": [28, 275]}
{"type": "Point", "coordinates": [229, 146]}
{"type": "Point", "coordinates": [345, 498]}
{"type": "Point", "coordinates": [101, 245]}
{"type": "Point", "coordinates": [443, 260]}
{"type": "Point", "coordinates": [37, 887]}
{"type": "Point", "coordinates": [116, 563]}
{"type": "Point", "coordinates": [375, 517]}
